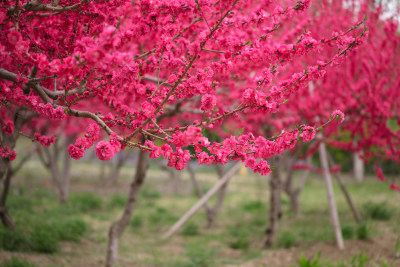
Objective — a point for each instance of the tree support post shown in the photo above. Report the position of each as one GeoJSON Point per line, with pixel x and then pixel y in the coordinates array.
{"type": "Point", "coordinates": [192, 211]}
{"type": "Point", "coordinates": [331, 198]}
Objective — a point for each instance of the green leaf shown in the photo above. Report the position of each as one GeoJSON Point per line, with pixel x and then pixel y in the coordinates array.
{"type": "Point", "coordinates": [392, 124]}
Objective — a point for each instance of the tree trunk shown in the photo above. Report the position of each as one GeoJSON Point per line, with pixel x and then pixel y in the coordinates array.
{"type": "Point", "coordinates": [331, 198]}
{"type": "Point", "coordinates": [275, 209]}
{"type": "Point", "coordinates": [6, 172]}
{"type": "Point", "coordinates": [118, 228]}
{"type": "Point", "coordinates": [198, 190]}
{"type": "Point", "coordinates": [175, 179]}
{"type": "Point", "coordinates": [220, 198]}
{"type": "Point", "coordinates": [294, 193]}
{"type": "Point", "coordinates": [51, 158]}
{"type": "Point", "coordinates": [112, 178]}
{"type": "Point", "coordinates": [5, 217]}
{"type": "Point", "coordinates": [358, 167]}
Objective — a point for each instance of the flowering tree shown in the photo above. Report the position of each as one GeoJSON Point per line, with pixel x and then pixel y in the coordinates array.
{"type": "Point", "coordinates": [360, 88]}
{"type": "Point", "coordinates": [365, 88]}
{"type": "Point", "coordinates": [122, 67]}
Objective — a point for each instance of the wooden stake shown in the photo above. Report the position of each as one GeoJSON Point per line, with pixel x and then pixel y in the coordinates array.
{"type": "Point", "coordinates": [192, 211]}
{"type": "Point", "coordinates": [346, 193]}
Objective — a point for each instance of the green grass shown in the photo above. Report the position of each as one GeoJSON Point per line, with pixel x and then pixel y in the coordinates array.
{"type": "Point", "coordinates": [15, 262]}
{"type": "Point", "coordinates": [378, 211]}
{"type": "Point", "coordinates": [76, 233]}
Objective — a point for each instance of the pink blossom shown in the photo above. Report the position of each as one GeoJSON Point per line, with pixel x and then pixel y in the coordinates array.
{"type": "Point", "coordinates": [8, 127]}
{"type": "Point", "coordinates": [180, 165]}
{"type": "Point", "coordinates": [104, 150]}
{"type": "Point", "coordinates": [208, 102]}
{"type": "Point", "coordinates": [156, 152]}
{"type": "Point", "coordinates": [55, 65]}
{"type": "Point", "coordinates": [263, 167]}
{"type": "Point", "coordinates": [172, 79]}
{"type": "Point", "coordinates": [308, 133]}
{"type": "Point", "coordinates": [12, 155]}
{"type": "Point", "coordinates": [248, 96]}
{"type": "Point", "coordinates": [260, 98]}
{"type": "Point", "coordinates": [395, 187]}
{"type": "Point", "coordinates": [7, 153]}
{"type": "Point", "coordinates": [42, 61]}
{"type": "Point", "coordinates": [14, 37]}
{"type": "Point", "coordinates": [380, 174]}
{"type": "Point", "coordinates": [22, 46]}
{"type": "Point", "coordinates": [203, 157]}
{"type": "Point", "coordinates": [166, 151]}
{"type": "Point", "coordinates": [76, 152]}
{"type": "Point", "coordinates": [148, 109]}
{"type": "Point", "coordinates": [114, 141]}
{"type": "Point", "coordinates": [92, 133]}
{"type": "Point", "coordinates": [251, 163]}
{"type": "Point", "coordinates": [44, 140]}
{"type": "Point", "coordinates": [338, 115]}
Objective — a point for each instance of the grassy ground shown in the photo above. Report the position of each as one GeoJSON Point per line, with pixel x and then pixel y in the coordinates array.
{"type": "Point", "coordinates": [75, 234]}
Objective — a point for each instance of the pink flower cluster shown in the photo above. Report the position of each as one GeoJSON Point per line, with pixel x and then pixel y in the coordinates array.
{"type": "Point", "coordinates": [258, 100]}
{"type": "Point", "coordinates": [247, 148]}
{"type": "Point", "coordinates": [50, 112]}
{"type": "Point", "coordinates": [338, 115]}
{"type": "Point", "coordinates": [44, 140]}
{"type": "Point", "coordinates": [8, 127]}
{"type": "Point", "coordinates": [106, 150]}
{"type": "Point", "coordinates": [208, 102]}
{"type": "Point", "coordinates": [395, 187]}
{"type": "Point", "coordinates": [6, 152]}
{"type": "Point", "coordinates": [308, 133]}
{"type": "Point", "coordinates": [379, 173]}
{"type": "Point", "coordinates": [300, 166]}
{"type": "Point", "coordinates": [148, 109]}
{"type": "Point", "coordinates": [77, 150]}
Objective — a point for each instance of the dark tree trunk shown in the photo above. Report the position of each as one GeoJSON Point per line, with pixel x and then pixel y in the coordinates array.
{"type": "Point", "coordinates": [199, 191]}
{"type": "Point", "coordinates": [118, 228]}
{"type": "Point", "coordinates": [294, 192]}
{"type": "Point", "coordinates": [115, 169]}
{"type": "Point", "coordinates": [275, 209]}
{"type": "Point", "coordinates": [6, 172]}
{"type": "Point", "coordinates": [220, 198]}
{"type": "Point", "coordinates": [5, 217]}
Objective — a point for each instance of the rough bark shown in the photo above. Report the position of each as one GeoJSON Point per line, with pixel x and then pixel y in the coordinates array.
{"type": "Point", "coordinates": [6, 172]}
{"type": "Point", "coordinates": [116, 230]}
{"type": "Point", "coordinates": [331, 198]}
{"type": "Point", "coordinates": [294, 192]}
{"type": "Point", "coordinates": [5, 216]}
{"type": "Point", "coordinates": [275, 209]}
